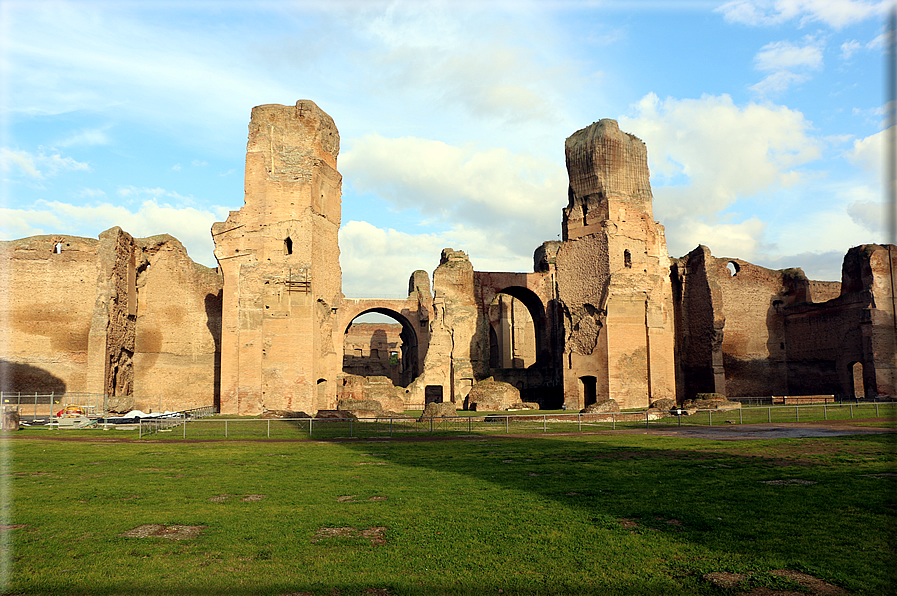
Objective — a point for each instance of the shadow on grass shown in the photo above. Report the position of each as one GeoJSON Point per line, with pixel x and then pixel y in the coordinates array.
{"type": "Point", "coordinates": [807, 504]}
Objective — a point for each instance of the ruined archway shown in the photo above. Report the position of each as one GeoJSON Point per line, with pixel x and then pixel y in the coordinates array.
{"type": "Point", "coordinates": [516, 333]}
{"type": "Point", "coordinates": [381, 348]}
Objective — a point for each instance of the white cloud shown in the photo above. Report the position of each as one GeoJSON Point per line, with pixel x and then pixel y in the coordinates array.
{"type": "Point", "coordinates": [176, 167]}
{"type": "Point", "coordinates": [397, 254]}
{"type": "Point", "coordinates": [706, 153]}
{"type": "Point", "coordinates": [784, 55]}
{"type": "Point", "coordinates": [778, 82]}
{"type": "Point", "coordinates": [725, 151]}
{"type": "Point", "coordinates": [868, 153]}
{"type": "Point", "coordinates": [849, 48]}
{"type": "Point", "coordinates": [834, 13]}
{"type": "Point", "coordinates": [869, 215]}
{"type": "Point", "coordinates": [742, 240]}
{"type": "Point", "coordinates": [38, 165]}
{"type": "Point", "coordinates": [190, 226]}
{"type": "Point", "coordinates": [782, 58]}
{"type": "Point", "coordinates": [469, 59]}
{"type": "Point", "coordinates": [513, 198]}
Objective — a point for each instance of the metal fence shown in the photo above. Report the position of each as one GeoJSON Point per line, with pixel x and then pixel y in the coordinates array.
{"type": "Point", "coordinates": [47, 404]}
{"type": "Point", "coordinates": [285, 428]}
{"type": "Point", "coordinates": [148, 426]}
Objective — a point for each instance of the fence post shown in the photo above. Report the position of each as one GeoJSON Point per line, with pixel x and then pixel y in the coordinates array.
{"type": "Point", "coordinates": [225, 429]}
{"type": "Point", "coordinates": [824, 412]}
{"type": "Point", "coordinates": [710, 416]}
{"type": "Point", "coordinates": [740, 417]}
{"type": "Point", "coordinates": [507, 428]}
{"type": "Point", "coordinates": [646, 419]}
{"type": "Point", "coordinates": [468, 425]}
{"type": "Point", "coordinates": [613, 420]}
{"type": "Point", "coordinates": [309, 427]}
{"type": "Point", "coordinates": [851, 410]}
{"type": "Point", "coordinates": [390, 426]}
{"type": "Point", "coordinates": [185, 426]}
{"type": "Point", "coordinates": [544, 427]}
{"type": "Point", "coordinates": [351, 428]}
{"type": "Point", "coordinates": [140, 428]}
{"type": "Point", "coordinates": [269, 428]}
{"type": "Point", "coordinates": [769, 414]}
{"type": "Point", "coordinates": [431, 425]}
{"type": "Point", "coordinates": [796, 414]}
{"type": "Point", "coordinates": [876, 409]}
{"type": "Point", "coordinates": [579, 416]}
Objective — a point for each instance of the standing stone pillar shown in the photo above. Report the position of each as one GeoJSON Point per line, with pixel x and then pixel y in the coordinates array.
{"type": "Point", "coordinates": [613, 275]}
{"type": "Point", "coordinates": [280, 259]}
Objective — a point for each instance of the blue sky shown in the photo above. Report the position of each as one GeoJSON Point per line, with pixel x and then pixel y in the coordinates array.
{"type": "Point", "coordinates": [762, 119]}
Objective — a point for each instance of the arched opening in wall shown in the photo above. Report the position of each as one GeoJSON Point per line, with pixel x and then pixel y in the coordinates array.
{"type": "Point", "coordinates": [516, 320]}
{"type": "Point", "coordinates": [627, 259]}
{"type": "Point", "coordinates": [322, 394]}
{"type": "Point", "coordinates": [856, 372]}
{"type": "Point", "coordinates": [288, 246]}
{"type": "Point", "coordinates": [57, 248]}
{"type": "Point", "coordinates": [733, 268]}
{"type": "Point", "coordinates": [588, 388]}
{"type": "Point", "coordinates": [381, 343]}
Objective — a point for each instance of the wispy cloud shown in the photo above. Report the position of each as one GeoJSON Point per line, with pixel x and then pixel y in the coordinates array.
{"type": "Point", "coordinates": [788, 64]}
{"type": "Point", "coordinates": [513, 198]}
{"type": "Point", "coordinates": [834, 13]}
{"type": "Point", "coordinates": [189, 225]}
{"type": "Point", "coordinates": [40, 165]}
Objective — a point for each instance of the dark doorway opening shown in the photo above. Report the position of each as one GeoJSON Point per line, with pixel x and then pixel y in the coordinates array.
{"type": "Point", "coordinates": [589, 389]}
{"type": "Point", "coordinates": [433, 394]}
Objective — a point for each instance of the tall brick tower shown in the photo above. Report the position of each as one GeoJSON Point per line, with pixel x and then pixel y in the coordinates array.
{"type": "Point", "coordinates": [613, 275]}
{"type": "Point", "coordinates": [280, 259]}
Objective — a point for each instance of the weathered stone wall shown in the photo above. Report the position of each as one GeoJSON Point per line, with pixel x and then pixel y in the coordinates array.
{"type": "Point", "coordinates": [280, 259]}
{"type": "Point", "coordinates": [825, 340]}
{"type": "Point", "coordinates": [699, 327]}
{"type": "Point", "coordinates": [97, 318]}
{"type": "Point", "coordinates": [178, 327]}
{"type": "Point", "coordinates": [46, 305]}
{"type": "Point", "coordinates": [456, 355]}
{"type": "Point", "coordinates": [744, 330]}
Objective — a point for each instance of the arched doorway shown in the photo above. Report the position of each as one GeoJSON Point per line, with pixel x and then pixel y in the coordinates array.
{"type": "Point", "coordinates": [381, 342]}
{"type": "Point", "coordinates": [516, 333]}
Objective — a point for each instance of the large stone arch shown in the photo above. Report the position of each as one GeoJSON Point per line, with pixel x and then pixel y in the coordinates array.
{"type": "Point", "coordinates": [409, 336]}
{"type": "Point", "coordinates": [536, 310]}
{"type": "Point", "coordinates": [539, 381]}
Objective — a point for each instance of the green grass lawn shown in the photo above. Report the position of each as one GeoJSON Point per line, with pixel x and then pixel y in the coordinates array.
{"type": "Point", "coordinates": [599, 514]}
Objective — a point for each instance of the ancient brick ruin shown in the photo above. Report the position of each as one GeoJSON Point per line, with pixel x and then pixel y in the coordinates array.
{"type": "Point", "coordinates": [605, 314]}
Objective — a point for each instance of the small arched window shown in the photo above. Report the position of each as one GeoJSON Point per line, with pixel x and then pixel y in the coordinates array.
{"type": "Point", "coordinates": [733, 268]}
{"type": "Point", "coordinates": [627, 259]}
{"type": "Point", "coordinates": [57, 249]}
{"type": "Point", "coordinates": [288, 246]}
